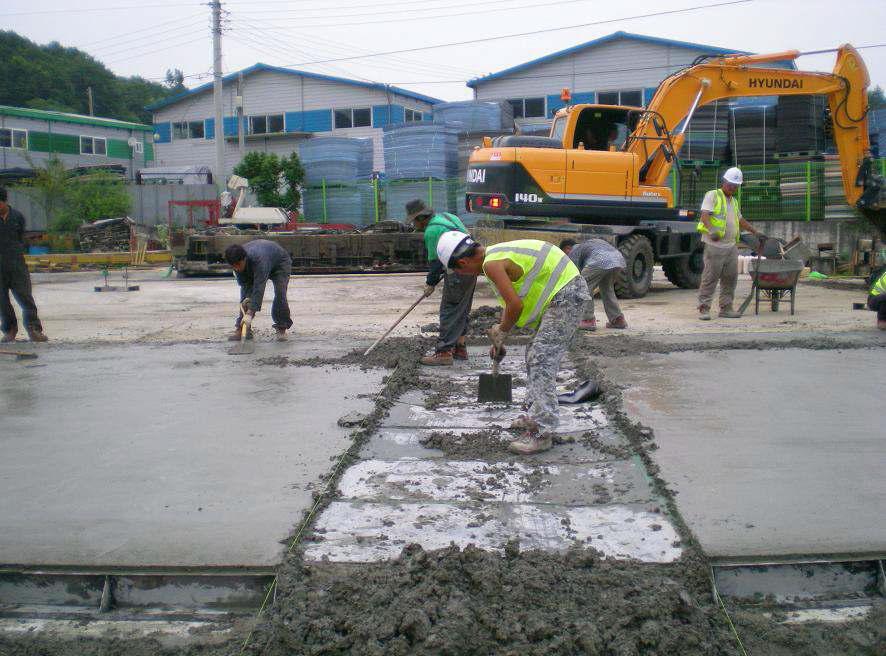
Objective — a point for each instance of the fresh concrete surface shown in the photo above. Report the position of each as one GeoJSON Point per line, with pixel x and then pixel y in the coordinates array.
{"type": "Point", "coordinates": [177, 455]}
{"type": "Point", "coordinates": [776, 452]}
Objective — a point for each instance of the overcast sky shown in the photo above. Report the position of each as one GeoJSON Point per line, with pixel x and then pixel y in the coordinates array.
{"type": "Point", "coordinates": [149, 38]}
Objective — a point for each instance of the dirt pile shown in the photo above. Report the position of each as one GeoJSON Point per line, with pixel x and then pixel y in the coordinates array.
{"type": "Point", "coordinates": [387, 355]}
{"type": "Point", "coordinates": [480, 320]}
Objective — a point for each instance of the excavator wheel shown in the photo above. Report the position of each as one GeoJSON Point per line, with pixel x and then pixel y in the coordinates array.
{"type": "Point", "coordinates": [685, 272]}
{"type": "Point", "coordinates": [636, 279]}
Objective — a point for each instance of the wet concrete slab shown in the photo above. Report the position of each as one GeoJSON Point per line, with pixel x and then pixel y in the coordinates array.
{"type": "Point", "coordinates": [176, 455]}
{"type": "Point", "coordinates": [776, 452]}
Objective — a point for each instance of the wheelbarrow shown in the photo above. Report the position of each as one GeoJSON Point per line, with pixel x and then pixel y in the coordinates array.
{"type": "Point", "coordinates": [776, 280]}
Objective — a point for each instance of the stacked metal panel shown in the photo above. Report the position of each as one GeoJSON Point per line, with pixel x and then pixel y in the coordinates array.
{"type": "Point", "coordinates": [801, 124]}
{"type": "Point", "coordinates": [801, 184]}
{"type": "Point", "coordinates": [414, 152]}
{"type": "Point", "coordinates": [877, 131]}
{"type": "Point", "coordinates": [534, 126]}
{"type": "Point", "coordinates": [835, 205]}
{"type": "Point", "coordinates": [336, 159]}
{"type": "Point", "coordinates": [695, 181]}
{"type": "Point", "coordinates": [752, 134]}
{"type": "Point", "coordinates": [442, 195]}
{"type": "Point", "coordinates": [707, 135]}
{"type": "Point", "coordinates": [475, 115]}
{"type": "Point", "coordinates": [339, 203]}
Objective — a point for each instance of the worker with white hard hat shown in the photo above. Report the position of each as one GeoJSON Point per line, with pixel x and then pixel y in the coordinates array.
{"type": "Point", "coordinates": [720, 225]}
{"type": "Point", "coordinates": [539, 287]}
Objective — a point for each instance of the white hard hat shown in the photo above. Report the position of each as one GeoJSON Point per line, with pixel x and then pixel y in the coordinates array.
{"type": "Point", "coordinates": [452, 243]}
{"type": "Point", "coordinates": [733, 176]}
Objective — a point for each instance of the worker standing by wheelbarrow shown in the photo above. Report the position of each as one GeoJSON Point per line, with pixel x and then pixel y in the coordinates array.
{"type": "Point", "coordinates": [720, 225]}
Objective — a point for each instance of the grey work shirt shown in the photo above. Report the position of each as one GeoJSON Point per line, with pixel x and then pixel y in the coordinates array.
{"type": "Point", "coordinates": [264, 260]}
{"type": "Point", "coordinates": [12, 234]}
{"type": "Point", "coordinates": [597, 254]}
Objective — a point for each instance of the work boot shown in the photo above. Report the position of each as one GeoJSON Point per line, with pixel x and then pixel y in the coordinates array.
{"type": "Point", "coordinates": [588, 324]}
{"type": "Point", "coordinates": [618, 323]}
{"type": "Point", "coordinates": [704, 313]}
{"type": "Point", "coordinates": [9, 335]}
{"type": "Point", "coordinates": [460, 352]}
{"type": "Point", "coordinates": [729, 313]}
{"type": "Point", "coordinates": [235, 336]}
{"type": "Point", "coordinates": [281, 335]}
{"type": "Point", "coordinates": [36, 335]}
{"type": "Point", "coordinates": [531, 444]}
{"type": "Point", "coordinates": [438, 359]}
{"type": "Point", "coordinates": [525, 423]}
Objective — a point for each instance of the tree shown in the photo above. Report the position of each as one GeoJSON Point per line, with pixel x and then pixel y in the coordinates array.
{"type": "Point", "coordinates": [175, 81]}
{"type": "Point", "coordinates": [92, 197]}
{"type": "Point", "coordinates": [275, 182]}
{"type": "Point", "coordinates": [48, 187]}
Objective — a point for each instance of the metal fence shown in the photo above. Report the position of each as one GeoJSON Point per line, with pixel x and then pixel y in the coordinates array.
{"type": "Point", "coordinates": [783, 191]}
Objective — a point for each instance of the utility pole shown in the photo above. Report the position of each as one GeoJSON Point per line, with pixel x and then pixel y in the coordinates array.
{"type": "Point", "coordinates": [241, 131]}
{"type": "Point", "coordinates": [89, 101]}
{"type": "Point", "coordinates": [217, 95]}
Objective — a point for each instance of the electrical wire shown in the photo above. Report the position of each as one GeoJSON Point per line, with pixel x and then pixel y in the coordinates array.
{"type": "Point", "coordinates": [81, 10]}
{"type": "Point", "coordinates": [152, 29]}
{"type": "Point", "coordinates": [423, 10]}
{"type": "Point", "coordinates": [451, 44]}
{"type": "Point", "coordinates": [148, 40]}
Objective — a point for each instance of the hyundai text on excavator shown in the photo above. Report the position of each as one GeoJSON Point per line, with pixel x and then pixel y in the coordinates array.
{"type": "Point", "coordinates": [605, 167]}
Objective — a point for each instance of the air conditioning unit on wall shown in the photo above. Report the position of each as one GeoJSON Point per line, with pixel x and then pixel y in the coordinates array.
{"type": "Point", "coordinates": [137, 146]}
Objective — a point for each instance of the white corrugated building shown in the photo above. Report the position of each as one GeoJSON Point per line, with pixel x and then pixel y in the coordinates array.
{"type": "Point", "coordinates": [619, 69]}
{"type": "Point", "coordinates": [281, 107]}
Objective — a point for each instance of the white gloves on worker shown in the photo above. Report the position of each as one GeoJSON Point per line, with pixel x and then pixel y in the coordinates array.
{"type": "Point", "coordinates": [498, 337]}
{"type": "Point", "coordinates": [429, 289]}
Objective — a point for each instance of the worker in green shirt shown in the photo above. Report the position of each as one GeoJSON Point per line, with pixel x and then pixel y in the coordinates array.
{"type": "Point", "coordinates": [458, 289]}
{"type": "Point", "coordinates": [877, 296]}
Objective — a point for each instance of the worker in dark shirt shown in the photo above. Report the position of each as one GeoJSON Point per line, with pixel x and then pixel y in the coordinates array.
{"type": "Point", "coordinates": [255, 263]}
{"type": "Point", "coordinates": [14, 276]}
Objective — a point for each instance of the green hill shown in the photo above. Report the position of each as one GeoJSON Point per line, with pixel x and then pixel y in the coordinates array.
{"type": "Point", "coordinates": [54, 77]}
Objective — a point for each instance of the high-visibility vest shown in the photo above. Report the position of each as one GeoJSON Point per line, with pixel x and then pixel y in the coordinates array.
{"type": "Point", "coordinates": [546, 270]}
{"type": "Point", "coordinates": [879, 287]}
{"type": "Point", "coordinates": [718, 217]}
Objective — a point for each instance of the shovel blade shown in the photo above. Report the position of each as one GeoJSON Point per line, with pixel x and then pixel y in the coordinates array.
{"type": "Point", "coordinates": [242, 348]}
{"type": "Point", "coordinates": [494, 388]}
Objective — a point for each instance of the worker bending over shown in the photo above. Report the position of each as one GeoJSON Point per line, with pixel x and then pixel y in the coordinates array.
{"type": "Point", "coordinates": [720, 226]}
{"type": "Point", "coordinates": [255, 263]}
{"type": "Point", "coordinates": [458, 290]}
{"type": "Point", "coordinates": [540, 288]}
{"type": "Point", "coordinates": [599, 263]}
{"type": "Point", "coordinates": [877, 297]}
{"type": "Point", "coordinates": [15, 277]}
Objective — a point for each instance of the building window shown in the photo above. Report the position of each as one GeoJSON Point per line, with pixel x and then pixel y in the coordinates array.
{"type": "Point", "coordinates": [412, 116]}
{"type": "Point", "coordinates": [12, 138]}
{"type": "Point", "coordinates": [93, 146]}
{"type": "Point", "coordinates": [528, 107]}
{"type": "Point", "coordinates": [268, 124]}
{"type": "Point", "coordinates": [188, 130]}
{"type": "Point", "coordinates": [629, 97]}
{"type": "Point", "coordinates": [360, 117]}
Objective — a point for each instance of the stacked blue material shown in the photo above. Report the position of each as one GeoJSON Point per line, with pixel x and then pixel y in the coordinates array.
{"type": "Point", "coordinates": [351, 203]}
{"type": "Point", "coordinates": [475, 115]}
{"type": "Point", "coordinates": [877, 130]}
{"type": "Point", "coordinates": [707, 136]}
{"type": "Point", "coordinates": [414, 152]}
{"type": "Point", "coordinates": [336, 159]}
{"type": "Point", "coordinates": [442, 195]}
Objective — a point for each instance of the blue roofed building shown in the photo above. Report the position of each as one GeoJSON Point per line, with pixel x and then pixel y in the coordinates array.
{"type": "Point", "coordinates": [276, 109]}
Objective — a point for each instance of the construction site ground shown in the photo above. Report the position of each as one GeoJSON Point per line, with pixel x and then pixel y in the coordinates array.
{"type": "Point", "coordinates": [378, 500]}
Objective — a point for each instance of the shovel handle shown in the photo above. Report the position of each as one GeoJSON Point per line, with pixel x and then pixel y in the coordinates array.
{"type": "Point", "coordinates": [395, 324]}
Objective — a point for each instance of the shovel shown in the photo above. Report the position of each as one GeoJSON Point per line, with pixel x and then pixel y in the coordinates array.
{"type": "Point", "coordinates": [750, 296]}
{"type": "Point", "coordinates": [244, 346]}
{"type": "Point", "coordinates": [19, 355]}
{"type": "Point", "coordinates": [495, 387]}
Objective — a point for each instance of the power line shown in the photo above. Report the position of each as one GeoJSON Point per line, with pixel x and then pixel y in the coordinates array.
{"type": "Point", "coordinates": [410, 10]}
{"type": "Point", "coordinates": [532, 33]}
{"type": "Point", "coordinates": [152, 28]}
{"type": "Point", "coordinates": [90, 9]}
{"type": "Point", "coordinates": [112, 49]}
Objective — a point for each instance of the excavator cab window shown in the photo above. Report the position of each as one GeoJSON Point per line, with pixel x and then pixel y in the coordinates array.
{"type": "Point", "coordinates": [600, 128]}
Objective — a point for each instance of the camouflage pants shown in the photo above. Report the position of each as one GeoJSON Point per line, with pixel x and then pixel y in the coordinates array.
{"type": "Point", "coordinates": [558, 325]}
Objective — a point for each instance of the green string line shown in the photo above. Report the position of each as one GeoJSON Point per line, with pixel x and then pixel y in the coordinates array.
{"type": "Point", "coordinates": [297, 536]}
{"type": "Point", "coordinates": [726, 614]}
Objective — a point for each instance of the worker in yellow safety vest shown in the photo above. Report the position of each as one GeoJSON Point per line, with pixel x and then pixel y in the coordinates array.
{"type": "Point", "coordinates": [540, 288]}
{"type": "Point", "coordinates": [877, 297]}
{"type": "Point", "coordinates": [720, 226]}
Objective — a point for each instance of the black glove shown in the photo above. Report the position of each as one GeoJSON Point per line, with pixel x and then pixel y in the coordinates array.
{"type": "Point", "coordinates": [435, 274]}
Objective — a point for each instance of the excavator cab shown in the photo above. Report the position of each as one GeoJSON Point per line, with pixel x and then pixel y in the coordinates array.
{"type": "Point", "coordinates": [604, 127]}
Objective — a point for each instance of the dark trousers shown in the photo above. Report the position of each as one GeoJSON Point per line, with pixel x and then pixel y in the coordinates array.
{"type": "Point", "coordinates": [878, 304]}
{"type": "Point", "coordinates": [280, 307]}
{"type": "Point", "coordinates": [455, 306]}
{"type": "Point", "coordinates": [15, 278]}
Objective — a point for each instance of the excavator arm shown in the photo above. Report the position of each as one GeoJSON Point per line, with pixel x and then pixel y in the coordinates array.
{"type": "Point", "coordinates": [679, 95]}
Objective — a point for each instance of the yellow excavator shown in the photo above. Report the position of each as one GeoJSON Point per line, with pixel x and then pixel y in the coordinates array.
{"type": "Point", "coordinates": [607, 166]}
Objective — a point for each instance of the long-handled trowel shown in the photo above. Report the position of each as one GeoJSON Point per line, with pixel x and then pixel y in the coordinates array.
{"type": "Point", "coordinates": [495, 387]}
{"type": "Point", "coordinates": [19, 355]}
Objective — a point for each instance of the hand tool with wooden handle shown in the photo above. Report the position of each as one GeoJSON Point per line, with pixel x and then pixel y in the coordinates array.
{"type": "Point", "coordinates": [396, 323]}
